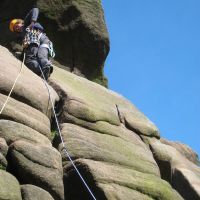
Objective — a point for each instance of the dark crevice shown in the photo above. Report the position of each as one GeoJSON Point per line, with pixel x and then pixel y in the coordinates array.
{"type": "Point", "coordinates": [72, 51]}
{"type": "Point", "coordinates": [164, 168]}
{"type": "Point", "coordinates": [166, 173]}
{"type": "Point", "coordinates": [63, 98]}
{"type": "Point", "coordinates": [175, 178]}
{"type": "Point", "coordinates": [181, 184]}
{"type": "Point", "coordinates": [73, 183]}
{"type": "Point", "coordinates": [56, 140]}
{"type": "Point", "coordinates": [24, 176]}
{"type": "Point", "coordinates": [121, 118]}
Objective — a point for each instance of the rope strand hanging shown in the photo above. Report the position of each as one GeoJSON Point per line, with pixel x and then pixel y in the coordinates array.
{"type": "Point", "coordinates": [7, 99]}
{"type": "Point", "coordinates": [62, 141]}
{"type": "Point", "coordinates": [56, 119]}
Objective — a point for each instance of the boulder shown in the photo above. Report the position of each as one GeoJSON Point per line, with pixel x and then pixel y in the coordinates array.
{"type": "Point", "coordinates": [95, 123]}
{"type": "Point", "coordinates": [73, 26]}
{"type": "Point", "coordinates": [29, 88]}
{"type": "Point", "coordinates": [3, 153]}
{"type": "Point", "coordinates": [12, 131]}
{"type": "Point", "coordinates": [32, 192]}
{"type": "Point", "coordinates": [105, 176]}
{"type": "Point", "coordinates": [3, 162]}
{"type": "Point", "coordinates": [107, 162]}
{"type": "Point", "coordinates": [182, 174]}
{"type": "Point", "coordinates": [3, 145]}
{"type": "Point", "coordinates": [9, 187]}
{"type": "Point", "coordinates": [24, 114]}
{"type": "Point", "coordinates": [184, 150]}
{"type": "Point", "coordinates": [25, 127]}
{"type": "Point", "coordinates": [83, 143]}
{"type": "Point", "coordinates": [38, 165]}
{"type": "Point", "coordinates": [114, 146]}
{"type": "Point", "coordinates": [90, 102]}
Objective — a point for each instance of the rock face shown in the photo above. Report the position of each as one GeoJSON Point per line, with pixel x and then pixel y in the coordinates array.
{"type": "Point", "coordinates": [117, 149]}
{"type": "Point", "coordinates": [9, 187]}
{"type": "Point", "coordinates": [175, 168]}
{"type": "Point", "coordinates": [31, 192]}
{"type": "Point", "coordinates": [25, 132]}
{"type": "Point", "coordinates": [77, 29]}
{"type": "Point", "coordinates": [102, 132]}
{"type": "Point", "coordinates": [184, 150]}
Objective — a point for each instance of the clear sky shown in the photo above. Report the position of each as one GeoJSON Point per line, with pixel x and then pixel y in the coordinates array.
{"type": "Point", "coordinates": [154, 62]}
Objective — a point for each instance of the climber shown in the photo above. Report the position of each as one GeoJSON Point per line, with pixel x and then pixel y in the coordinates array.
{"type": "Point", "coordinates": [36, 44]}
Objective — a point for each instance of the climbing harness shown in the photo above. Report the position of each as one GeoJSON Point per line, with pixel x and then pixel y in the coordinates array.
{"type": "Point", "coordinates": [62, 141]}
{"type": "Point", "coordinates": [32, 36]}
{"type": "Point", "coordinates": [4, 105]}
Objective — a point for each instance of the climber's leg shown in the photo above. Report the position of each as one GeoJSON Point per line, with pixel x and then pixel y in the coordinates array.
{"type": "Point", "coordinates": [31, 58]}
{"type": "Point", "coordinates": [43, 59]}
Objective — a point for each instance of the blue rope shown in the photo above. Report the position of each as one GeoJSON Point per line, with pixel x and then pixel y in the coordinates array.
{"type": "Point", "coordinates": [62, 141]}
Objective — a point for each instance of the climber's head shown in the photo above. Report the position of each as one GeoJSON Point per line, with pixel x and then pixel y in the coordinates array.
{"type": "Point", "coordinates": [16, 25]}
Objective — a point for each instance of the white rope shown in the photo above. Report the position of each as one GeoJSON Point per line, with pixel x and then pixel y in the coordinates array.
{"type": "Point", "coordinates": [4, 105]}
{"type": "Point", "coordinates": [62, 141]}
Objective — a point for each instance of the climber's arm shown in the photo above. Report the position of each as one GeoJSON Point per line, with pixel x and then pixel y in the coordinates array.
{"type": "Point", "coordinates": [34, 15]}
{"type": "Point", "coordinates": [31, 17]}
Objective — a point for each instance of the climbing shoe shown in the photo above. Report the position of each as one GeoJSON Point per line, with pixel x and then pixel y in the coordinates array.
{"type": "Point", "coordinates": [46, 72]}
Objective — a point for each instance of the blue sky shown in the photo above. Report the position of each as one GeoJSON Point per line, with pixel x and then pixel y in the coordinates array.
{"type": "Point", "coordinates": [154, 62]}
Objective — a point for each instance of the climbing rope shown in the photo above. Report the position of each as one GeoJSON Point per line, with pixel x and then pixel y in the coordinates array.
{"type": "Point", "coordinates": [56, 119]}
{"type": "Point", "coordinates": [22, 65]}
{"type": "Point", "coordinates": [62, 141]}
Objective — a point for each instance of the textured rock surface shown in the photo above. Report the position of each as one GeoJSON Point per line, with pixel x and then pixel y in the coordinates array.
{"type": "Point", "coordinates": [31, 192]}
{"type": "Point", "coordinates": [103, 174]}
{"type": "Point", "coordinates": [104, 145]}
{"type": "Point", "coordinates": [38, 165]}
{"type": "Point", "coordinates": [3, 153]}
{"type": "Point", "coordinates": [184, 150]}
{"type": "Point", "coordinates": [24, 114]}
{"type": "Point", "coordinates": [89, 102]}
{"type": "Point", "coordinates": [3, 146]}
{"type": "Point", "coordinates": [115, 147]}
{"type": "Point", "coordinates": [12, 131]}
{"type": "Point", "coordinates": [29, 89]}
{"type": "Point", "coordinates": [182, 174]}
{"type": "Point", "coordinates": [72, 25]}
{"type": "Point", "coordinates": [9, 187]}
{"type": "Point", "coordinates": [84, 143]}
{"type": "Point", "coordinates": [25, 137]}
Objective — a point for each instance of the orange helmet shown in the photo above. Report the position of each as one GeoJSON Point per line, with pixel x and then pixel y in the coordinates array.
{"type": "Point", "coordinates": [15, 22]}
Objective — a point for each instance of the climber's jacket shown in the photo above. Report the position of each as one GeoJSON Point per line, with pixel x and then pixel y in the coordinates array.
{"type": "Point", "coordinates": [33, 32]}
